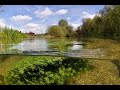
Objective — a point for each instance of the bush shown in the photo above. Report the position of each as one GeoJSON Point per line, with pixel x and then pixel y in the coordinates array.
{"type": "Point", "coordinates": [44, 70]}
{"type": "Point", "coordinates": [55, 31]}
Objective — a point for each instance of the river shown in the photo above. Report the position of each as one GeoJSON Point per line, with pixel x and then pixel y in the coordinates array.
{"type": "Point", "coordinates": [85, 48]}
{"type": "Point", "coordinates": [100, 52]}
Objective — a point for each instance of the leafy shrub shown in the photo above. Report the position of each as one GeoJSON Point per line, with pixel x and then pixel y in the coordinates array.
{"type": "Point", "coordinates": [55, 31]}
{"type": "Point", "coordinates": [44, 70]}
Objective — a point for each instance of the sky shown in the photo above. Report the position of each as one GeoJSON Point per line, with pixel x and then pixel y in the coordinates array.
{"type": "Point", "coordinates": [37, 18]}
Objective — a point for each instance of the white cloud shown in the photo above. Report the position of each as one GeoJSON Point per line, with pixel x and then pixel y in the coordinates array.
{"type": "Point", "coordinates": [33, 27]}
{"type": "Point", "coordinates": [75, 25]}
{"type": "Point", "coordinates": [10, 26]}
{"type": "Point", "coordinates": [2, 23]}
{"type": "Point", "coordinates": [45, 12]}
{"type": "Point", "coordinates": [84, 12]}
{"type": "Point", "coordinates": [87, 15]}
{"type": "Point", "coordinates": [30, 27]}
{"type": "Point", "coordinates": [68, 18]}
{"type": "Point", "coordinates": [20, 18]}
{"type": "Point", "coordinates": [61, 11]}
{"type": "Point", "coordinates": [54, 24]}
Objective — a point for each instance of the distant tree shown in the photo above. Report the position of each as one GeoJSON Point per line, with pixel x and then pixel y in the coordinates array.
{"type": "Point", "coordinates": [78, 31]}
{"type": "Point", "coordinates": [106, 24]}
{"type": "Point", "coordinates": [86, 27]}
{"type": "Point", "coordinates": [97, 26]}
{"type": "Point", "coordinates": [56, 31]}
{"type": "Point", "coordinates": [63, 23]}
{"type": "Point", "coordinates": [70, 31]}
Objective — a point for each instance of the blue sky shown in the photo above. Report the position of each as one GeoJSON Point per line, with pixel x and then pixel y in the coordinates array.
{"type": "Point", "coordinates": [37, 18]}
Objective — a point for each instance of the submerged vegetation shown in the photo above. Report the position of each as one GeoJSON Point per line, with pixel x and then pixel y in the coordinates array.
{"type": "Point", "coordinates": [43, 70]}
{"type": "Point", "coordinates": [101, 72]}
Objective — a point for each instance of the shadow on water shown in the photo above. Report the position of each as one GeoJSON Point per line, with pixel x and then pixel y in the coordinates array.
{"type": "Point", "coordinates": [117, 63]}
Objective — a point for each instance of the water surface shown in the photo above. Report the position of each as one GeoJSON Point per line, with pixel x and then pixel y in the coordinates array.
{"type": "Point", "coordinates": [85, 48]}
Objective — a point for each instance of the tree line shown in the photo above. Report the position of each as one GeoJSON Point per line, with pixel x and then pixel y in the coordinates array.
{"type": "Point", "coordinates": [105, 24]}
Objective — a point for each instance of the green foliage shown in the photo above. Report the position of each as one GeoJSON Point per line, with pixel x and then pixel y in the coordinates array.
{"type": "Point", "coordinates": [86, 27]}
{"type": "Point", "coordinates": [63, 23]}
{"type": "Point", "coordinates": [106, 24]}
{"type": "Point", "coordinates": [70, 31]}
{"type": "Point", "coordinates": [55, 31]}
{"type": "Point", "coordinates": [43, 70]}
{"type": "Point", "coordinates": [10, 33]}
{"type": "Point", "coordinates": [61, 30]}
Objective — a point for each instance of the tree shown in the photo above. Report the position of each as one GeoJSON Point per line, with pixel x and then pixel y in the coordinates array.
{"type": "Point", "coordinates": [106, 9]}
{"type": "Point", "coordinates": [107, 24]}
{"type": "Point", "coordinates": [86, 26]}
{"type": "Point", "coordinates": [78, 31]}
{"type": "Point", "coordinates": [63, 23]}
{"type": "Point", "coordinates": [96, 26]}
{"type": "Point", "coordinates": [111, 21]}
{"type": "Point", "coordinates": [56, 31]}
{"type": "Point", "coordinates": [70, 31]}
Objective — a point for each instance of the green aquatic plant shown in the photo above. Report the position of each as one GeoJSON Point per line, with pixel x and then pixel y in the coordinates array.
{"type": "Point", "coordinates": [44, 70]}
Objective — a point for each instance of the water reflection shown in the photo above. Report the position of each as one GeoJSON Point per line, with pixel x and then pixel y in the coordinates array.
{"type": "Point", "coordinates": [76, 46]}
{"type": "Point", "coordinates": [39, 45]}
{"type": "Point", "coordinates": [32, 45]}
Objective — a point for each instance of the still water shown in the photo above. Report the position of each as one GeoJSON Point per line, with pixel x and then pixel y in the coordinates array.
{"type": "Point", "coordinates": [66, 47]}
{"type": "Point", "coordinates": [41, 44]}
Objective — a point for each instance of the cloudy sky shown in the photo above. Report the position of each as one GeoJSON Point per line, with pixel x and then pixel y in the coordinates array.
{"type": "Point", "coordinates": [37, 18]}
